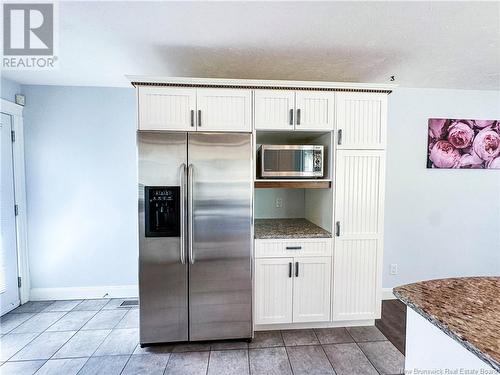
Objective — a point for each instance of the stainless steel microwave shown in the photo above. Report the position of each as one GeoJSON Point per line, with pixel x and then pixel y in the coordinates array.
{"type": "Point", "coordinates": [290, 161]}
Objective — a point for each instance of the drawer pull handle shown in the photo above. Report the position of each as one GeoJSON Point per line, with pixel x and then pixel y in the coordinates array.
{"type": "Point", "coordinates": [294, 247]}
{"type": "Point", "coordinates": [290, 269]}
{"type": "Point", "coordinates": [296, 269]}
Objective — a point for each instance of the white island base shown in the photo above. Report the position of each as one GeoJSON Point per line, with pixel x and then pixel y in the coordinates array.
{"type": "Point", "coordinates": [431, 351]}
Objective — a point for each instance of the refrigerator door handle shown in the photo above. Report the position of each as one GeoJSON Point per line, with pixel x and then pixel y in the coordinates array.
{"type": "Point", "coordinates": [182, 174]}
{"type": "Point", "coordinates": [190, 212]}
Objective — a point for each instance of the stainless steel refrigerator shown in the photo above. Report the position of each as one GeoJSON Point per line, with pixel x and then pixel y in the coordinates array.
{"type": "Point", "coordinates": [195, 236]}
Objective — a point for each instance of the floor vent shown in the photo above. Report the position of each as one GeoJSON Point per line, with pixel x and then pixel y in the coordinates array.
{"type": "Point", "coordinates": [130, 303]}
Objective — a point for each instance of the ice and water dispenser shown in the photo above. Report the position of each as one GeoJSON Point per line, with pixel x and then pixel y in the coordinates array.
{"type": "Point", "coordinates": [163, 211]}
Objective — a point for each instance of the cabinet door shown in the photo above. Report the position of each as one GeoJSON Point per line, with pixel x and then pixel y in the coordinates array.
{"type": "Point", "coordinates": [357, 262]}
{"type": "Point", "coordinates": [164, 108]}
{"type": "Point", "coordinates": [273, 290]}
{"type": "Point", "coordinates": [311, 289]}
{"type": "Point", "coordinates": [361, 120]}
{"type": "Point", "coordinates": [274, 109]}
{"type": "Point", "coordinates": [314, 110]}
{"type": "Point", "coordinates": [224, 110]}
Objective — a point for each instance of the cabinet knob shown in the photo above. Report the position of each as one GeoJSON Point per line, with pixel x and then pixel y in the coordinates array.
{"type": "Point", "coordinates": [290, 269]}
{"type": "Point", "coordinates": [296, 269]}
{"type": "Point", "coordinates": [337, 228]}
{"type": "Point", "coordinates": [339, 136]}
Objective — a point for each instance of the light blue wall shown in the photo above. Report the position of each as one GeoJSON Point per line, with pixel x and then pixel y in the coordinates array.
{"type": "Point", "coordinates": [438, 223]}
{"type": "Point", "coordinates": [81, 186]}
{"type": "Point", "coordinates": [9, 89]}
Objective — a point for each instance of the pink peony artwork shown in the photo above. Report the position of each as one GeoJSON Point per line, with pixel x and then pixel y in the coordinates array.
{"type": "Point", "coordinates": [463, 144]}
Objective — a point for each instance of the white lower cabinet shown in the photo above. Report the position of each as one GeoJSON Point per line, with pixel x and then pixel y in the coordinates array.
{"type": "Point", "coordinates": [273, 286]}
{"type": "Point", "coordinates": [311, 289]}
{"type": "Point", "coordinates": [292, 289]}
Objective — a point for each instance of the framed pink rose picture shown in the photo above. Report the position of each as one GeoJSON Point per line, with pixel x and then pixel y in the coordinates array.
{"type": "Point", "coordinates": [462, 143]}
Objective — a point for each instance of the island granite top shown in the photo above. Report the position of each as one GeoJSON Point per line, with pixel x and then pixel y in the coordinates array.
{"type": "Point", "coordinates": [466, 309]}
{"type": "Point", "coordinates": [288, 228]}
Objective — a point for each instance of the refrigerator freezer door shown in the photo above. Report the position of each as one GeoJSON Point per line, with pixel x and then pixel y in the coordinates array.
{"type": "Point", "coordinates": [163, 278]}
{"type": "Point", "coordinates": [220, 281]}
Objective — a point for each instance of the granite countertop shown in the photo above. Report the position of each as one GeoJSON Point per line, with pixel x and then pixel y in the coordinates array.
{"type": "Point", "coordinates": [466, 309]}
{"type": "Point", "coordinates": [288, 228]}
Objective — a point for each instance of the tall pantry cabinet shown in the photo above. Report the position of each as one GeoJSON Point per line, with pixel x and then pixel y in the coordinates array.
{"type": "Point", "coordinates": [361, 122]}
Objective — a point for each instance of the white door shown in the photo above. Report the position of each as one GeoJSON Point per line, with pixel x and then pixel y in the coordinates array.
{"type": "Point", "coordinates": [274, 109]}
{"type": "Point", "coordinates": [273, 290]}
{"type": "Point", "coordinates": [165, 108]}
{"type": "Point", "coordinates": [311, 289]}
{"type": "Point", "coordinates": [361, 120]}
{"type": "Point", "coordinates": [314, 110]}
{"type": "Point", "coordinates": [357, 258]}
{"type": "Point", "coordinates": [9, 292]}
{"type": "Point", "coordinates": [224, 110]}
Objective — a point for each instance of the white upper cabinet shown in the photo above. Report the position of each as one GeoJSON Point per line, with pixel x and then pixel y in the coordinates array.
{"type": "Point", "coordinates": [191, 109]}
{"type": "Point", "coordinates": [294, 110]}
{"type": "Point", "coordinates": [274, 109]}
{"type": "Point", "coordinates": [361, 120]}
{"type": "Point", "coordinates": [314, 110]}
{"type": "Point", "coordinates": [273, 290]}
{"type": "Point", "coordinates": [311, 289]}
{"type": "Point", "coordinates": [359, 234]}
{"type": "Point", "coordinates": [224, 110]}
{"type": "Point", "coordinates": [163, 108]}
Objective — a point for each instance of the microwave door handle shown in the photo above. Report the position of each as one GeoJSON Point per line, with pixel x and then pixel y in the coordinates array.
{"type": "Point", "coordinates": [190, 212]}
{"type": "Point", "coordinates": [182, 174]}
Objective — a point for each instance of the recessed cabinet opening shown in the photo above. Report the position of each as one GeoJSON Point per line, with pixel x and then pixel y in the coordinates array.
{"type": "Point", "coordinates": [313, 205]}
{"type": "Point", "coordinates": [293, 159]}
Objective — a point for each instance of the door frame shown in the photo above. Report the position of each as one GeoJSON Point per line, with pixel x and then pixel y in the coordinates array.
{"type": "Point", "coordinates": [16, 113]}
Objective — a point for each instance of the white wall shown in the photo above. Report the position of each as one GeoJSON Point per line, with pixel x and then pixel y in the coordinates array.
{"type": "Point", "coordinates": [438, 223]}
{"type": "Point", "coordinates": [81, 176]}
{"type": "Point", "coordinates": [293, 203]}
{"type": "Point", "coordinates": [81, 186]}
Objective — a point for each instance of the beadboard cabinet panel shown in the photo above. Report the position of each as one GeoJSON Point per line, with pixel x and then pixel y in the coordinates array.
{"type": "Point", "coordinates": [273, 291]}
{"type": "Point", "coordinates": [361, 118]}
{"type": "Point", "coordinates": [356, 279]}
{"type": "Point", "coordinates": [359, 234]}
{"type": "Point", "coordinates": [311, 289]}
{"type": "Point", "coordinates": [360, 192]}
{"type": "Point", "coordinates": [314, 110]}
{"type": "Point", "coordinates": [163, 108]}
{"type": "Point", "coordinates": [224, 110]}
{"type": "Point", "coordinates": [274, 109]}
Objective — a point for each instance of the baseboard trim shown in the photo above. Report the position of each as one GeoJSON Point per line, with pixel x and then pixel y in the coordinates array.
{"type": "Point", "coordinates": [387, 294]}
{"type": "Point", "coordinates": [343, 323]}
{"type": "Point", "coordinates": [112, 291]}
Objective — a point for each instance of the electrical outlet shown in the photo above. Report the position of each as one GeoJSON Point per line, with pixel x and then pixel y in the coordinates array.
{"type": "Point", "coordinates": [394, 269]}
{"type": "Point", "coordinates": [279, 202]}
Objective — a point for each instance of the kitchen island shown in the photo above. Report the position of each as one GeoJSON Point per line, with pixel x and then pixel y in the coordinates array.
{"type": "Point", "coordinates": [453, 325]}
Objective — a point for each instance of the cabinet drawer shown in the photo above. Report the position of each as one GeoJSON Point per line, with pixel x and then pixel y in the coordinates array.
{"type": "Point", "coordinates": [293, 247]}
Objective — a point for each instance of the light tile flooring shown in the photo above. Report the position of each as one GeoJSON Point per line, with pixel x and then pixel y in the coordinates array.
{"type": "Point", "coordinates": [99, 337]}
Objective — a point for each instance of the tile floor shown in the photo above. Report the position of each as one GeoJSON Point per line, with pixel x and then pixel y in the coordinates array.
{"type": "Point", "coordinates": [98, 337]}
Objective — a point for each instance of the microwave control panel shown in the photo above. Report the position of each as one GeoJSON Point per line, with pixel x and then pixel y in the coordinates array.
{"type": "Point", "coordinates": [318, 161]}
{"type": "Point", "coordinates": [162, 211]}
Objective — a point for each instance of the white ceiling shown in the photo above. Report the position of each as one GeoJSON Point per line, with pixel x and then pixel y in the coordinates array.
{"type": "Point", "coordinates": [423, 44]}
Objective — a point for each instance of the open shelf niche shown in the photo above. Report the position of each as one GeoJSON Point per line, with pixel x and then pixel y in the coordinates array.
{"type": "Point", "coordinates": [311, 199]}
